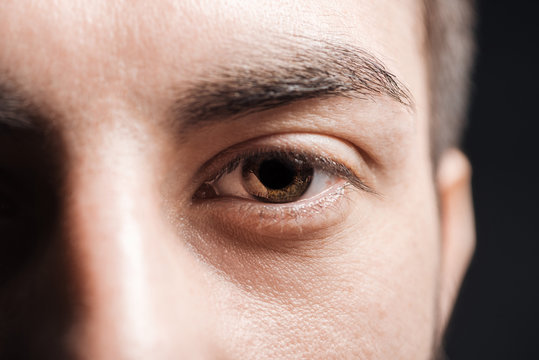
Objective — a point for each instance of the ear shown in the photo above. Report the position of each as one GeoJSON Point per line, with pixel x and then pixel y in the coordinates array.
{"type": "Point", "coordinates": [457, 227]}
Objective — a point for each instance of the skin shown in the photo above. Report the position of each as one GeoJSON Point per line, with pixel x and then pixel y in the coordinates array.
{"type": "Point", "coordinates": [130, 267]}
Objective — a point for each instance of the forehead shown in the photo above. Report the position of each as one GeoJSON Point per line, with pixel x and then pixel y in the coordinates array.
{"type": "Point", "coordinates": [114, 46]}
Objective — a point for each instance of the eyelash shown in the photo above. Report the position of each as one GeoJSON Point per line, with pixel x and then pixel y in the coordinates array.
{"type": "Point", "coordinates": [318, 162]}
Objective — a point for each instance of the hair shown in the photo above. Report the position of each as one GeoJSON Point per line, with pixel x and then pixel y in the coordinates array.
{"type": "Point", "coordinates": [450, 50]}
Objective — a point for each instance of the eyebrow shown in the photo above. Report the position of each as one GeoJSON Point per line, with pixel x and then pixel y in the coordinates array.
{"type": "Point", "coordinates": [298, 71]}
{"type": "Point", "coordinates": [289, 71]}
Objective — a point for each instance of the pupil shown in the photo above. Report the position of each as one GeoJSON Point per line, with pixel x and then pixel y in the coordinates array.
{"type": "Point", "coordinates": [275, 174]}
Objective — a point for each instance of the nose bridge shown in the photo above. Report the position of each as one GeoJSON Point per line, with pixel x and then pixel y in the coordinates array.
{"type": "Point", "coordinates": [139, 297]}
{"type": "Point", "coordinates": [107, 232]}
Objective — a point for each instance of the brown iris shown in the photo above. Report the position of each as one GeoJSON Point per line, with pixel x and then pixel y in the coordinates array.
{"type": "Point", "coordinates": [277, 178]}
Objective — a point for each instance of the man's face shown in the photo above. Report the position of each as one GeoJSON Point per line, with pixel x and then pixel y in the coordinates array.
{"type": "Point", "coordinates": [218, 179]}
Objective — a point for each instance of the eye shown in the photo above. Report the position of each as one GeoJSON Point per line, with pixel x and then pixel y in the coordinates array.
{"type": "Point", "coordinates": [277, 176]}
{"type": "Point", "coordinates": [281, 188]}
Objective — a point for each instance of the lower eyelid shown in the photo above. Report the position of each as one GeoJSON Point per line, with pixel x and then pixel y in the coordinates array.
{"type": "Point", "coordinates": [290, 221]}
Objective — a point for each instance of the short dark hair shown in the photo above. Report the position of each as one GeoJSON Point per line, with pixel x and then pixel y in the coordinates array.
{"type": "Point", "coordinates": [450, 51]}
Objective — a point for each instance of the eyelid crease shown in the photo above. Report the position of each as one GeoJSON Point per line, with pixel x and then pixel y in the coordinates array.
{"type": "Point", "coordinates": [320, 162]}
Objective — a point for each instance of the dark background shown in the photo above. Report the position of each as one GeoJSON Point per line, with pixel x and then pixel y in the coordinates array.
{"type": "Point", "coordinates": [497, 314]}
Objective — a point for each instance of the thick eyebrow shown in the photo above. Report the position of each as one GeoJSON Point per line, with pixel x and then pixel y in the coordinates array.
{"type": "Point", "coordinates": [278, 75]}
{"type": "Point", "coordinates": [293, 73]}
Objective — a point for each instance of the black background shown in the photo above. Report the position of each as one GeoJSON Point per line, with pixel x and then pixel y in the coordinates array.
{"type": "Point", "coordinates": [497, 314]}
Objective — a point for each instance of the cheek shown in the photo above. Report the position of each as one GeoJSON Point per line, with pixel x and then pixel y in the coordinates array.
{"type": "Point", "coordinates": [369, 291]}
